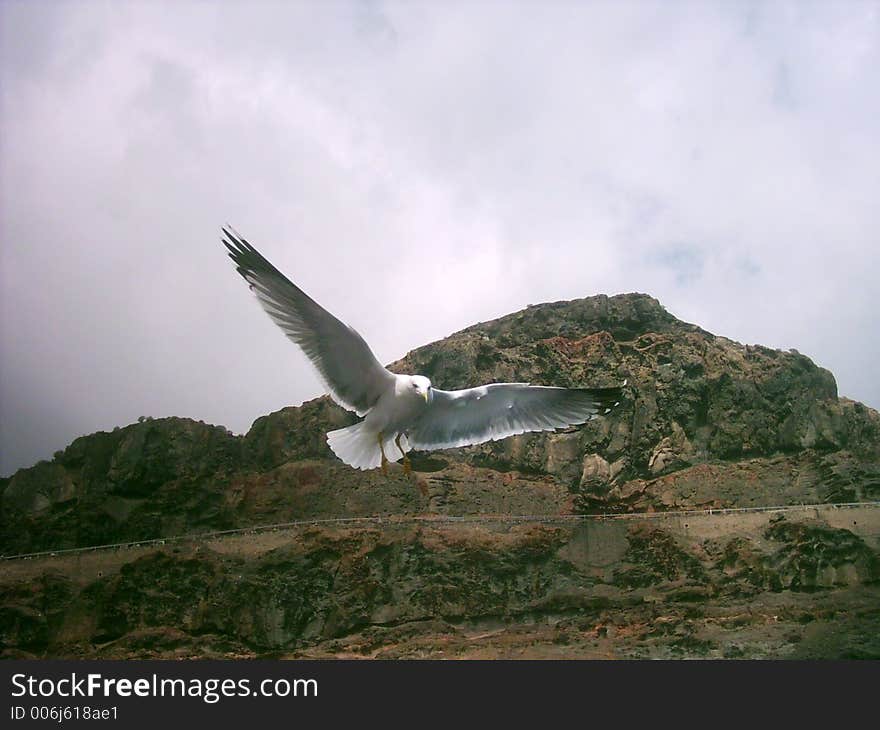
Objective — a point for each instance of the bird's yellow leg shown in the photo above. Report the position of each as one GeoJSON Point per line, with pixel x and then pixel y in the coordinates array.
{"type": "Point", "coordinates": [384, 458]}
{"type": "Point", "coordinates": [407, 466]}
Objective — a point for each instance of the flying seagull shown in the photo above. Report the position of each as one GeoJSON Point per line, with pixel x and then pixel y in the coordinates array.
{"type": "Point", "coordinates": [403, 412]}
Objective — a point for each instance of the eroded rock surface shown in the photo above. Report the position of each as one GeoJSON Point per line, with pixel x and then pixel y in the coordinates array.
{"type": "Point", "coordinates": [759, 585]}
{"type": "Point", "coordinates": [705, 423]}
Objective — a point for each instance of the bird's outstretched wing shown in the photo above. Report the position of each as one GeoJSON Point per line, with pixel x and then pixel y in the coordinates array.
{"type": "Point", "coordinates": [496, 411]}
{"type": "Point", "coordinates": [345, 362]}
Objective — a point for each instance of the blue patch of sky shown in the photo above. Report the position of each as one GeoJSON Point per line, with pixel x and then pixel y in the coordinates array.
{"type": "Point", "coordinates": [685, 261]}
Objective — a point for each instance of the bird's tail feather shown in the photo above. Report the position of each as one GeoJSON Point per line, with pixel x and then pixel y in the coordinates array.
{"type": "Point", "coordinates": [358, 446]}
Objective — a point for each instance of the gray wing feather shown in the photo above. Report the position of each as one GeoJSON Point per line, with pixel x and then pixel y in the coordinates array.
{"type": "Point", "coordinates": [351, 372]}
{"type": "Point", "coordinates": [492, 412]}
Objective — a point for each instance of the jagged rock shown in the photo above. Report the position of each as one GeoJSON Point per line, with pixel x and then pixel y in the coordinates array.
{"type": "Point", "coordinates": [662, 457]}
{"type": "Point", "coordinates": [815, 556]}
{"type": "Point", "coordinates": [595, 468]}
{"type": "Point", "coordinates": [655, 557]}
{"type": "Point", "coordinates": [704, 422]}
{"type": "Point", "coordinates": [713, 398]}
{"type": "Point", "coordinates": [672, 452]}
{"type": "Point", "coordinates": [652, 587]}
{"type": "Point", "coordinates": [148, 478]}
{"type": "Point", "coordinates": [563, 449]}
{"type": "Point", "coordinates": [294, 433]}
{"type": "Point", "coordinates": [37, 489]}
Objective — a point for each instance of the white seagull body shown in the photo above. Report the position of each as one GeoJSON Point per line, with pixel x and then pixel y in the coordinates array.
{"type": "Point", "coordinates": [403, 412]}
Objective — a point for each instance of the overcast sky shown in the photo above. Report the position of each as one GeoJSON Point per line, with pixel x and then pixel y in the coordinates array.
{"type": "Point", "coordinates": [417, 168]}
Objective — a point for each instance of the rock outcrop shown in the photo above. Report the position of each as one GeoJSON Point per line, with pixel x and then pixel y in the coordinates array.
{"type": "Point", "coordinates": [759, 585]}
{"type": "Point", "coordinates": [705, 423]}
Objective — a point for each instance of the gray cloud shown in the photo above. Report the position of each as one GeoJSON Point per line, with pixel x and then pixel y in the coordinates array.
{"type": "Point", "coordinates": [416, 168]}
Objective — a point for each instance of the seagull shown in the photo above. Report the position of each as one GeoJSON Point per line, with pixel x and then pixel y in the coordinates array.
{"type": "Point", "coordinates": [403, 412]}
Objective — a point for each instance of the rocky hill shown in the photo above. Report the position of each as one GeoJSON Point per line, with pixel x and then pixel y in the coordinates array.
{"type": "Point", "coordinates": [705, 423]}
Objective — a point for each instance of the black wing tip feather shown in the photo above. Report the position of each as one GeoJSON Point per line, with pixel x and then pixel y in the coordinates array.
{"type": "Point", "coordinates": [236, 244]}
{"type": "Point", "coordinates": [261, 274]}
{"type": "Point", "coordinates": [248, 261]}
{"type": "Point", "coordinates": [605, 398]}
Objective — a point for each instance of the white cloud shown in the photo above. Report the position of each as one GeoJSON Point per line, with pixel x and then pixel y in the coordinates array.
{"type": "Point", "coordinates": [722, 157]}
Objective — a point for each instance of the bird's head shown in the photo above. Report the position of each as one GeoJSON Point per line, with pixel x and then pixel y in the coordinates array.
{"type": "Point", "coordinates": [422, 386]}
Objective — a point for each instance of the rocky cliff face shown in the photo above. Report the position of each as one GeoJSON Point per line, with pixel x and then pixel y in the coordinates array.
{"type": "Point", "coordinates": [802, 583]}
{"type": "Point", "coordinates": [705, 423]}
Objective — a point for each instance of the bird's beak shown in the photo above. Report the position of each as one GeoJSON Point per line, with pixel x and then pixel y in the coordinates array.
{"type": "Point", "coordinates": [426, 396]}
